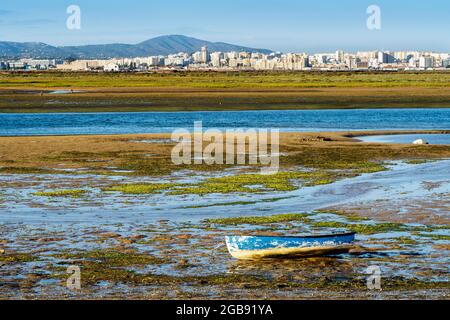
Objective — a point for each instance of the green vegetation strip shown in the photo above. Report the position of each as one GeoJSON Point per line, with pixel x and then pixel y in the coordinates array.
{"type": "Point", "coordinates": [362, 228]}
{"type": "Point", "coordinates": [244, 183]}
{"type": "Point", "coordinates": [142, 188]}
{"type": "Point", "coordinates": [16, 258]}
{"type": "Point", "coordinates": [76, 193]}
{"type": "Point", "coordinates": [418, 161]}
{"type": "Point", "coordinates": [237, 203]}
{"type": "Point", "coordinates": [260, 220]}
{"type": "Point", "coordinates": [222, 80]}
{"type": "Point", "coordinates": [366, 228]}
{"type": "Point", "coordinates": [254, 183]}
{"type": "Point", "coordinates": [112, 257]}
{"type": "Point", "coordinates": [25, 170]}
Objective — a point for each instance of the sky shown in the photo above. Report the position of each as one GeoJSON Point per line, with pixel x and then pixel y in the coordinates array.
{"type": "Point", "coordinates": [279, 25]}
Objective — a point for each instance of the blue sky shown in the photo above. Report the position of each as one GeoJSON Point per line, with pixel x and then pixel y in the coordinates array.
{"type": "Point", "coordinates": [284, 25]}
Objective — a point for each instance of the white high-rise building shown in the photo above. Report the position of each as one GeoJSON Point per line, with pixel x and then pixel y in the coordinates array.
{"type": "Point", "coordinates": [216, 59]}
{"type": "Point", "coordinates": [204, 55]}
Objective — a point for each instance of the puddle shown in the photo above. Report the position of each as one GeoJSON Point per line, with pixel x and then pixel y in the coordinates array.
{"type": "Point", "coordinates": [64, 91]}
{"type": "Point", "coordinates": [154, 141]}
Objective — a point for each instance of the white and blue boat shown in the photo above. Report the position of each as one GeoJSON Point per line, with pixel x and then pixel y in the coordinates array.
{"type": "Point", "coordinates": [263, 247]}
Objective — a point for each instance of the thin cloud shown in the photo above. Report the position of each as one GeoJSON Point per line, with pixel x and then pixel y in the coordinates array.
{"type": "Point", "coordinates": [28, 23]}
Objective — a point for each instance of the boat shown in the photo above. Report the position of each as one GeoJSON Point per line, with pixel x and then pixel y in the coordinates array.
{"type": "Point", "coordinates": [265, 247]}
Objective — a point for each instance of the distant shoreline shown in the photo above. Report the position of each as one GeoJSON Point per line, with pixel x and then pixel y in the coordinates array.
{"type": "Point", "coordinates": [344, 135]}
{"type": "Point", "coordinates": [193, 109]}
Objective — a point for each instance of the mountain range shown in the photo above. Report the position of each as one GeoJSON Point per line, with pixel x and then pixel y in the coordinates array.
{"type": "Point", "coordinates": [163, 45]}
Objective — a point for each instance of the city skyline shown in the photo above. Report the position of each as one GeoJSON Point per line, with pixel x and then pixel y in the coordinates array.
{"type": "Point", "coordinates": [242, 60]}
{"type": "Point", "coordinates": [288, 26]}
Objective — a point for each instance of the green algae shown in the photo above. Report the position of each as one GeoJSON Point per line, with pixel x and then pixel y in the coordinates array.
{"type": "Point", "coordinates": [255, 183]}
{"type": "Point", "coordinates": [26, 170]}
{"type": "Point", "coordinates": [436, 237]}
{"type": "Point", "coordinates": [243, 183]}
{"type": "Point", "coordinates": [141, 188]}
{"type": "Point", "coordinates": [369, 167]}
{"type": "Point", "coordinates": [112, 258]}
{"type": "Point", "coordinates": [74, 193]}
{"type": "Point", "coordinates": [61, 193]}
{"type": "Point", "coordinates": [383, 227]}
{"type": "Point", "coordinates": [260, 220]}
{"type": "Point", "coordinates": [237, 203]}
{"type": "Point", "coordinates": [93, 273]}
{"type": "Point", "coordinates": [349, 216]}
{"type": "Point", "coordinates": [404, 240]}
{"type": "Point", "coordinates": [361, 228]}
{"type": "Point", "coordinates": [16, 258]}
{"type": "Point", "coordinates": [417, 161]}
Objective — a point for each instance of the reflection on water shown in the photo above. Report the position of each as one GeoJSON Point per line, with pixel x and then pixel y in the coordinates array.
{"type": "Point", "coordinates": [64, 92]}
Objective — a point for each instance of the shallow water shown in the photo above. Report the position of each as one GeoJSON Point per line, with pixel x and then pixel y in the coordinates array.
{"type": "Point", "coordinates": [404, 182]}
{"type": "Point", "coordinates": [408, 138]}
{"type": "Point", "coordinates": [163, 122]}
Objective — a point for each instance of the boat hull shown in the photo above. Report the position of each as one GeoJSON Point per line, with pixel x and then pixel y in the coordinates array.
{"type": "Point", "coordinates": [255, 248]}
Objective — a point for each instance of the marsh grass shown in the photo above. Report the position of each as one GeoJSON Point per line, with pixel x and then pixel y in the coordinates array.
{"type": "Point", "coordinates": [224, 80]}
